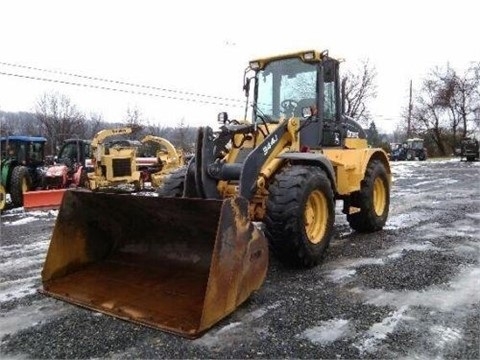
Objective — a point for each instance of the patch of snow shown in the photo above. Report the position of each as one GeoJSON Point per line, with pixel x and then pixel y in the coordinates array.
{"type": "Point", "coordinates": [398, 251]}
{"type": "Point", "coordinates": [379, 331]}
{"type": "Point", "coordinates": [445, 336]}
{"type": "Point", "coordinates": [466, 228]}
{"type": "Point", "coordinates": [354, 263]}
{"type": "Point", "coordinates": [22, 221]}
{"type": "Point", "coordinates": [327, 332]}
{"type": "Point", "coordinates": [228, 327]}
{"type": "Point", "coordinates": [475, 216]}
{"type": "Point", "coordinates": [405, 220]}
{"type": "Point", "coordinates": [223, 336]}
{"type": "Point", "coordinates": [25, 317]}
{"type": "Point", "coordinates": [339, 275]}
{"type": "Point", "coordinates": [19, 288]}
{"type": "Point", "coordinates": [462, 291]}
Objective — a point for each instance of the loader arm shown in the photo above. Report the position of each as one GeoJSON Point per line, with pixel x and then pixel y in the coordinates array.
{"type": "Point", "coordinates": [264, 159]}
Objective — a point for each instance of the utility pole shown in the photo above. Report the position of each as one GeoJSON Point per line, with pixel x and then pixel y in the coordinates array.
{"type": "Point", "coordinates": [409, 112]}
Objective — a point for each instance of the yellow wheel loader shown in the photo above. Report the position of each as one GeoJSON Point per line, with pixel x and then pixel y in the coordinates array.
{"type": "Point", "coordinates": [185, 260]}
{"type": "Point", "coordinates": [114, 166]}
{"type": "Point", "coordinates": [168, 159]}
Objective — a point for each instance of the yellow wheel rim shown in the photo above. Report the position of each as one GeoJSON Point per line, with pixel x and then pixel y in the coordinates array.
{"type": "Point", "coordinates": [316, 216]}
{"type": "Point", "coordinates": [379, 196]}
{"type": "Point", "coordinates": [3, 197]}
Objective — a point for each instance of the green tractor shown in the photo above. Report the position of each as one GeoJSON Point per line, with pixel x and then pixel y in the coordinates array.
{"type": "Point", "coordinates": [22, 161]}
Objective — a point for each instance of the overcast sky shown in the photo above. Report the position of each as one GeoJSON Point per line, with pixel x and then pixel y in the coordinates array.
{"type": "Point", "coordinates": [202, 48]}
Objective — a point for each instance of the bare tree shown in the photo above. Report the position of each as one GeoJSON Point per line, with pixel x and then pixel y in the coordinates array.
{"type": "Point", "coordinates": [133, 118]}
{"type": "Point", "coordinates": [359, 88]}
{"type": "Point", "coordinates": [95, 123]}
{"type": "Point", "coordinates": [447, 105]}
{"type": "Point", "coordinates": [59, 118]}
{"type": "Point", "coordinates": [183, 136]}
{"type": "Point", "coordinates": [459, 94]}
{"type": "Point", "coordinates": [427, 115]}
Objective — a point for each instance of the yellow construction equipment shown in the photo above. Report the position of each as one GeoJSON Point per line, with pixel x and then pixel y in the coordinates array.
{"type": "Point", "coordinates": [113, 165]}
{"type": "Point", "coordinates": [168, 158]}
{"type": "Point", "coordinates": [183, 261]}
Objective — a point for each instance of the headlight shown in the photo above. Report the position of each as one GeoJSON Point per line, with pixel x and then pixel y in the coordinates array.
{"type": "Point", "coordinates": [309, 56]}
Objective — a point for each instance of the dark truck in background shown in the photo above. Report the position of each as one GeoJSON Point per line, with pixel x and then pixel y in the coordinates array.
{"type": "Point", "coordinates": [469, 149]}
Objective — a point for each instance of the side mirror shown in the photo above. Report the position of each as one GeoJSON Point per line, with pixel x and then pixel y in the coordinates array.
{"type": "Point", "coordinates": [222, 118]}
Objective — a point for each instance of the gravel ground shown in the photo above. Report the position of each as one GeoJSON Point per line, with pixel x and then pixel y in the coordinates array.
{"type": "Point", "coordinates": [409, 291]}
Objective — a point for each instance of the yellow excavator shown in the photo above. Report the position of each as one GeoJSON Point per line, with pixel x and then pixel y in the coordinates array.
{"type": "Point", "coordinates": [183, 261]}
{"type": "Point", "coordinates": [168, 159]}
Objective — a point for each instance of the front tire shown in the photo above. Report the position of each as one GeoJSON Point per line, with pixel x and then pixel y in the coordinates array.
{"type": "Point", "coordinates": [373, 199]}
{"type": "Point", "coordinates": [173, 184]}
{"type": "Point", "coordinates": [300, 215]}
{"type": "Point", "coordinates": [19, 184]}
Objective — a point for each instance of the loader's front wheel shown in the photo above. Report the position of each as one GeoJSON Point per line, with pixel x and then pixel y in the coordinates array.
{"type": "Point", "coordinates": [300, 215]}
{"type": "Point", "coordinates": [19, 184]}
{"type": "Point", "coordinates": [373, 199]}
{"type": "Point", "coordinates": [173, 184]}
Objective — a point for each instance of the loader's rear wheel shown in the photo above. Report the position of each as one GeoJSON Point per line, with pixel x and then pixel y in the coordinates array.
{"type": "Point", "coordinates": [19, 184]}
{"type": "Point", "coordinates": [300, 215]}
{"type": "Point", "coordinates": [173, 184]}
{"type": "Point", "coordinates": [373, 199]}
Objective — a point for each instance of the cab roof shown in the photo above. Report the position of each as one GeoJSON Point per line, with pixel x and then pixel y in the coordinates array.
{"type": "Point", "coordinates": [312, 56]}
{"type": "Point", "coordinates": [24, 138]}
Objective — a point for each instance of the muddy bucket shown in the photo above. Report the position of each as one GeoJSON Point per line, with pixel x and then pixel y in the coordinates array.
{"type": "Point", "coordinates": [179, 265]}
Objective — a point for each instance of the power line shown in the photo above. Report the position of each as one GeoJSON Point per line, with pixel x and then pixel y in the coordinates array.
{"type": "Point", "coordinates": [118, 82]}
{"type": "Point", "coordinates": [118, 90]}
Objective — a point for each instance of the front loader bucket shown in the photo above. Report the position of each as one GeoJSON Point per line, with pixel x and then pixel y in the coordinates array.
{"type": "Point", "coordinates": [176, 264]}
{"type": "Point", "coordinates": [43, 199]}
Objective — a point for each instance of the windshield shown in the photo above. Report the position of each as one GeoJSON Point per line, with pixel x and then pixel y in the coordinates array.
{"type": "Point", "coordinates": [416, 144]}
{"type": "Point", "coordinates": [284, 87]}
{"type": "Point", "coordinates": [23, 151]}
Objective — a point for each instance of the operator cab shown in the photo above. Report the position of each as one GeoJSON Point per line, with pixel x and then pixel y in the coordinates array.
{"type": "Point", "coordinates": [290, 87]}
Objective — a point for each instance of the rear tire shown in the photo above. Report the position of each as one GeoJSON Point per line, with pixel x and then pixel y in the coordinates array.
{"type": "Point", "coordinates": [20, 182]}
{"type": "Point", "coordinates": [373, 199]}
{"type": "Point", "coordinates": [300, 215]}
{"type": "Point", "coordinates": [173, 184]}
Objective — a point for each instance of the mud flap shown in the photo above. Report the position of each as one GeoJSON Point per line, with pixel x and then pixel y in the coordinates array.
{"type": "Point", "coordinates": [43, 199]}
{"type": "Point", "coordinates": [179, 265]}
